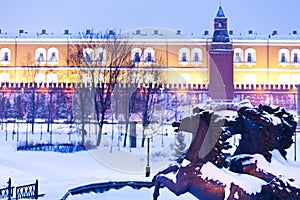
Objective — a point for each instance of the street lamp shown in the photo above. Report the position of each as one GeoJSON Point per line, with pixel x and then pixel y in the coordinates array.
{"type": "Point", "coordinates": [148, 134]}
{"type": "Point", "coordinates": [295, 149]}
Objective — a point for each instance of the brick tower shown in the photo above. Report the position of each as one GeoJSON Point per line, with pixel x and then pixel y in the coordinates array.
{"type": "Point", "coordinates": [221, 61]}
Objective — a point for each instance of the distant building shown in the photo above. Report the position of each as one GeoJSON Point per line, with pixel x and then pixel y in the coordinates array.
{"type": "Point", "coordinates": [256, 59]}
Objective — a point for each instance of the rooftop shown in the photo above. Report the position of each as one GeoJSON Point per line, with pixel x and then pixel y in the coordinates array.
{"type": "Point", "coordinates": [147, 33]}
{"type": "Point", "coordinates": [220, 13]}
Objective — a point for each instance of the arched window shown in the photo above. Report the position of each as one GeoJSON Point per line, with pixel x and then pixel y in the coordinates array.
{"type": "Point", "coordinates": [184, 78]}
{"type": "Point", "coordinates": [136, 54]}
{"type": "Point", "coordinates": [238, 56]}
{"type": "Point", "coordinates": [283, 56]}
{"type": "Point", "coordinates": [284, 79]}
{"type": "Point", "coordinates": [149, 55]}
{"type": "Point", "coordinates": [40, 56]}
{"type": "Point", "coordinates": [101, 78]}
{"type": "Point", "coordinates": [53, 55]}
{"type": "Point", "coordinates": [136, 78]}
{"type": "Point", "coordinates": [5, 56]}
{"type": "Point", "coordinates": [52, 78]}
{"type": "Point", "coordinates": [4, 77]}
{"type": "Point", "coordinates": [86, 78]}
{"type": "Point", "coordinates": [295, 57]}
{"type": "Point", "coordinates": [100, 55]}
{"type": "Point", "coordinates": [149, 78]}
{"type": "Point", "coordinates": [250, 79]}
{"type": "Point", "coordinates": [250, 56]}
{"type": "Point", "coordinates": [183, 55]}
{"type": "Point", "coordinates": [197, 55]}
{"type": "Point", "coordinates": [40, 78]}
{"type": "Point", "coordinates": [88, 55]}
{"type": "Point", "coordinates": [296, 79]}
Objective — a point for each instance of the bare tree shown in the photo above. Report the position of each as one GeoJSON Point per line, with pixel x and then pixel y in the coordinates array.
{"type": "Point", "coordinates": [121, 103]}
{"type": "Point", "coordinates": [101, 63]}
{"type": "Point", "coordinates": [30, 74]}
{"type": "Point", "coordinates": [147, 96]}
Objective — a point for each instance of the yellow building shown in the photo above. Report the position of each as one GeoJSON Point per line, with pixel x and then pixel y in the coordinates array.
{"type": "Point", "coordinates": [258, 59]}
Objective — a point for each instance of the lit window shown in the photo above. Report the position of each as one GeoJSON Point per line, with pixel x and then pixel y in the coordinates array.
{"type": "Point", "coordinates": [52, 78]}
{"type": "Point", "coordinates": [184, 78]}
{"type": "Point", "coordinates": [39, 78]}
{"type": "Point", "coordinates": [250, 79]}
{"type": "Point", "coordinates": [101, 78]}
{"type": "Point", "coordinates": [296, 79]}
{"type": "Point", "coordinates": [136, 78]}
{"type": "Point", "coordinates": [86, 78]}
{"type": "Point", "coordinates": [284, 79]}
{"type": "Point", "coordinates": [149, 78]}
{"type": "Point", "coordinates": [4, 77]}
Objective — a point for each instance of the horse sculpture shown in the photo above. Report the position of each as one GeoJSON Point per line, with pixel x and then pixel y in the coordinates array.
{"type": "Point", "coordinates": [262, 130]}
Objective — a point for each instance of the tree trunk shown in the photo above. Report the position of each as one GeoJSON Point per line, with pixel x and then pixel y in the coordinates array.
{"type": "Point", "coordinates": [99, 134]}
{"type": "Point", "coordinates": [33, 109]}
{"type": "Point", "coordinates": [126, 132]}
{"type": "Point", "coordinates": [83, 133]}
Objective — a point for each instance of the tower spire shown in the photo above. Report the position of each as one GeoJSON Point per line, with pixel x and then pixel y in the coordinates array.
{"type": "Point", "coordinates": [220, 13]}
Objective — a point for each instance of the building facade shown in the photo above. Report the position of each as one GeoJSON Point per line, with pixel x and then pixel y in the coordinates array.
{"type": "Point", "coordinates": [257, 59]}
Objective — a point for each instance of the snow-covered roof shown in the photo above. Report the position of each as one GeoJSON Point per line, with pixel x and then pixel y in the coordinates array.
{"type": "Point", "coordinates": [149, 33]}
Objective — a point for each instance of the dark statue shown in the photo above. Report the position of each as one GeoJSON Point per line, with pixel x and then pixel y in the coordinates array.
{"type": "Point", "coordinates": [263, 131]}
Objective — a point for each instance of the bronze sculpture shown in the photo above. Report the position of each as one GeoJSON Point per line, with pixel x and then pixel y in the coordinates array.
{"type": "Point", "coordinates": [263, 129]}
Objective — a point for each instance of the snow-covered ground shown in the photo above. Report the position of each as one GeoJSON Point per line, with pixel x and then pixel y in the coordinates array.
{"type": "Point", "coordinates": [59, 172]}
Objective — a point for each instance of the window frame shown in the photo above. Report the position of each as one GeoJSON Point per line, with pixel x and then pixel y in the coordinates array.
{"type": "Point", "coordinates": [284, 53]}
{"type": "Point", "coordinates": [3, 53]}
{"type": "Point", "coordinates": [252, 52]}
{"type": "Point", "coordinates": [181, 52]}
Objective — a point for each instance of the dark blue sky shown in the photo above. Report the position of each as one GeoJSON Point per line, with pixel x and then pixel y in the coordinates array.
{"type": "Point", "coordinates": [190, 16]}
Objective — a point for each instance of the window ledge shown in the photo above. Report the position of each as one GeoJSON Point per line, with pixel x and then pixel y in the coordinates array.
{"type": "Point", "coordinates": [284, 63]}
{"type": "Point", "coordinates": [5, 62]}
{"type": "Point", "coordinates": [250, 63]}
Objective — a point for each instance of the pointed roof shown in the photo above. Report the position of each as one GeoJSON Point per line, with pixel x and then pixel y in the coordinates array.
{"type": "Point", "coordinates": [220, 13]}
